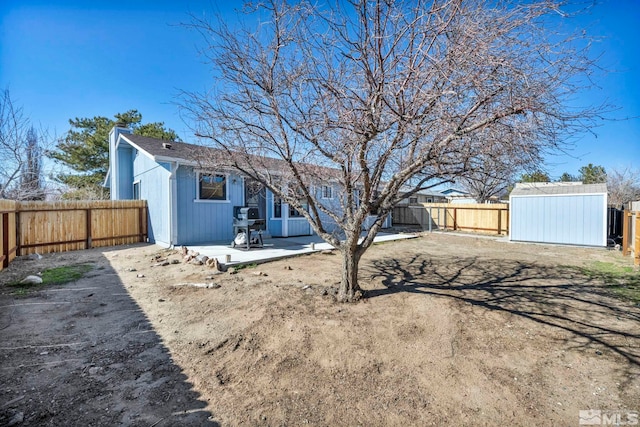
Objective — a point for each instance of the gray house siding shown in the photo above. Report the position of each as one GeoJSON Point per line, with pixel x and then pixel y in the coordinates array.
{"type": "Point", "coordinates": [566, 219]}
{"type": "Point", "coordinates": [205, 221]}
{"type": "Point", "coordinates": [153, 179]}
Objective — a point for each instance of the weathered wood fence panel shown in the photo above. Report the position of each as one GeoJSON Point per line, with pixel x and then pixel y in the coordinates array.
{"type": "Point", "coordinates": [482, 218]}
{"type": "Point", "coordinates": [44, 227]}
{"type": "Point", "coordinates": [631, 235]}
{"type": "Point", "coordinates": [8, 246]}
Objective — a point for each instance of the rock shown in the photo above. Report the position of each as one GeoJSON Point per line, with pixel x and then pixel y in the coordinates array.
{"type": "Point", "coordinates": [215, 264]}
{"type": "Point", "coordinates": [212, 275]}
{"type": "Point", "coordinates": [185, 251]}
{"type": "Point", "coordinates": [195, 261]}
{"type": "Point", "coordinates": [94, 370]}
{"type": "Point", "coordinates": [288, 267]}
{"type": "Point", "coordinates": [260, 273]}
{"type": "Point", "coordinates": [202, 258]}
{"type": "Point", "coordinates": [175, 261]}
{"type": "Point", "coordinates": [305, 287]}
{"type": "Point", "coordinates": [213, 285]}
{"type": "Point", "coordinates": [31, 280]}
{"type": "Point", "coordinates": [131, 269]}
{"type": "Point", "coordinates": [18, 418]}
{"type": "Point", "coordinates": [232, 270]}
{"type": "Point", "coordinates": [34, 257]}
{"type": "Point", "coordinates": [160, 300]}
{"type": "Point", "coordinates": [140, 276]}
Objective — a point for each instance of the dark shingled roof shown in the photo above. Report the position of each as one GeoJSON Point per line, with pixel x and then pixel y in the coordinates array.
{"type": "Point", "coordinates": [178, 150]}
{"type": "Point", "coordinates": [206, 155]}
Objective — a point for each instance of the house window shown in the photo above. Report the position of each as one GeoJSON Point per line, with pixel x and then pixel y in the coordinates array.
{"type": "Point", "coordinates": [136, 190]}
{"type": "Point", "coordinates": [413, 200]}
{"type": "Point", "coordinates": [356, 197]}
{"type": "Point", "coordinates": [429, 200]}
{"type": "Point", "coordinates": [327, 192]}
{"type": "Point", "coordinates": [212, 186]}
{"type": "Point", "coordinates": [277, 207]}
{"type": "Point", "coordinates": [294, 213]}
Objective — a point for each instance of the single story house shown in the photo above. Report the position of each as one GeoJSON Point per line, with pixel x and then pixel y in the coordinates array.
{"type": "Point", "coordinates": [189, 205]}
{"type": "Point", "coordinates": [457, 196]}
{"type": "Point", "coordinates": [560, 212]}
{"type": "Point", "coordinates": [423, 196]}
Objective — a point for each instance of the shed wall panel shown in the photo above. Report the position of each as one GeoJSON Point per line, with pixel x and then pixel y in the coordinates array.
{"type": "Point", "coordinates": [568, 219]}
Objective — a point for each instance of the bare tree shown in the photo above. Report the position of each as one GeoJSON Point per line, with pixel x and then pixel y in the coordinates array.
{"type": "Point", "coordinates": [30, 187]}
{"type": "Point", "coordinates": [13, 131]}
{"type": "Point", "coordinates": [623, 185]}
{"type": "Point", "coordinates": [374, 96]}
{"type": "Point", "coordinates": [20, 154]}
{"type": "Point", "coordinates": [491, 174]}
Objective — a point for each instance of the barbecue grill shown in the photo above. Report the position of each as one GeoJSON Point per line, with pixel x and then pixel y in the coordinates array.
{"type": "Point", "coordinates": [247, 228]}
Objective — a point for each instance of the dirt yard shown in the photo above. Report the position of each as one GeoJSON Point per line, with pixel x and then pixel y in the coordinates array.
{"type": "Point", "coordinates": [453, 331]}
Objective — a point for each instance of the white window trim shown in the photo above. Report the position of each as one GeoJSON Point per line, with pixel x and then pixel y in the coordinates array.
{"type": "Point", "coordinates": [133, 186]}
{"type": "Point", "coordinates": [226, 183]}
{"type": "Point", "coordinates": [322, 187]}
{"type": "Point", "coordinates": [273, 208]}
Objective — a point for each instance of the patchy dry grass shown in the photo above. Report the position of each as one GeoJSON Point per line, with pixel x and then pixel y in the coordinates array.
{"type": "Point", "coordinates": [623, 281]}
{"type": "Point", "coordinates": [53, 276]}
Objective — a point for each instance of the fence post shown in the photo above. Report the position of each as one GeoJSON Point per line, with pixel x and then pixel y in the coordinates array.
{"type": "Point", "coordinates": [140, 223]}
{"type": "Point", "coordinates": [18, 234]}
{"type": "Point", "coordinates": [636, 252]}
{"type": "Point", "coordinates": [626, 233]}
{"type": "Point", "coordinates": [88, 227]}
{"type": "Point", "coordinates": [455, 218]}
{"type": "Point", "coordinates": [5, 240]}
{"type": "Point", "coordinates": [499, 220]}
{"type": "Point", "coordinates": [430, 219]}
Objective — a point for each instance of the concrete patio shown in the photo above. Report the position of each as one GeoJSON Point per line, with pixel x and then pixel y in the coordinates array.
{"type": "Point", "coordinates": [276, 248]}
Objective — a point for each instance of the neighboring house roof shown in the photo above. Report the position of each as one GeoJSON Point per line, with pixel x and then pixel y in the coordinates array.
{"type": "Point", "coordinates": [557, 188]}
{"type": "Point", "coordinates": [428, 193]}
{"type": "Point", "coordinates": [454, 192]}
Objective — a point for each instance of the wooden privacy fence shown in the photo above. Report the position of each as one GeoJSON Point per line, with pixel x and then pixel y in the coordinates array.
{"type": "Point", "coordinates": [483, 218]}
{"type": "Point", "coordinates": [44, 227]}
{"type": "Point", "coordinates": [631, 235]}
{"type": "Point", "coordinates": [9, 247]}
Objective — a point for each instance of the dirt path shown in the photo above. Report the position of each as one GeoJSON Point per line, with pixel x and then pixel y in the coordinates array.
{"type": "Point", "coordinates": [85, 354]}
{"type": "Point", "coordinates": [455, 330]}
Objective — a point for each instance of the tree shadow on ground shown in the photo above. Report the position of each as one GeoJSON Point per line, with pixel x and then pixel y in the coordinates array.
{"type": "Point", "coordinates": [559, 297]}
{"type": "Point", "coordinates": [84, 353]}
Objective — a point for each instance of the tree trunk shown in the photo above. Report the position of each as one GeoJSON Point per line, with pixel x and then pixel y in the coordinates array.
{"type": "Point", "coordinates": [349, 290]}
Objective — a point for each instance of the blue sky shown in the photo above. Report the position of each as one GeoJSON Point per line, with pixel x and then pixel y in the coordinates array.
{"type": "Point", "coordinates": [66, 59]}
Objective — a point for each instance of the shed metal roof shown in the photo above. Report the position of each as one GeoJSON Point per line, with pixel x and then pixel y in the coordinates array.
{"type": "Point", "coordinates": [557, 188]}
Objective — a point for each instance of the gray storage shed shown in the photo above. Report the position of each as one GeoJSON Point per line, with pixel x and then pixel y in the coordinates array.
{"type": "Point", "coordinates": [560, 212]}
